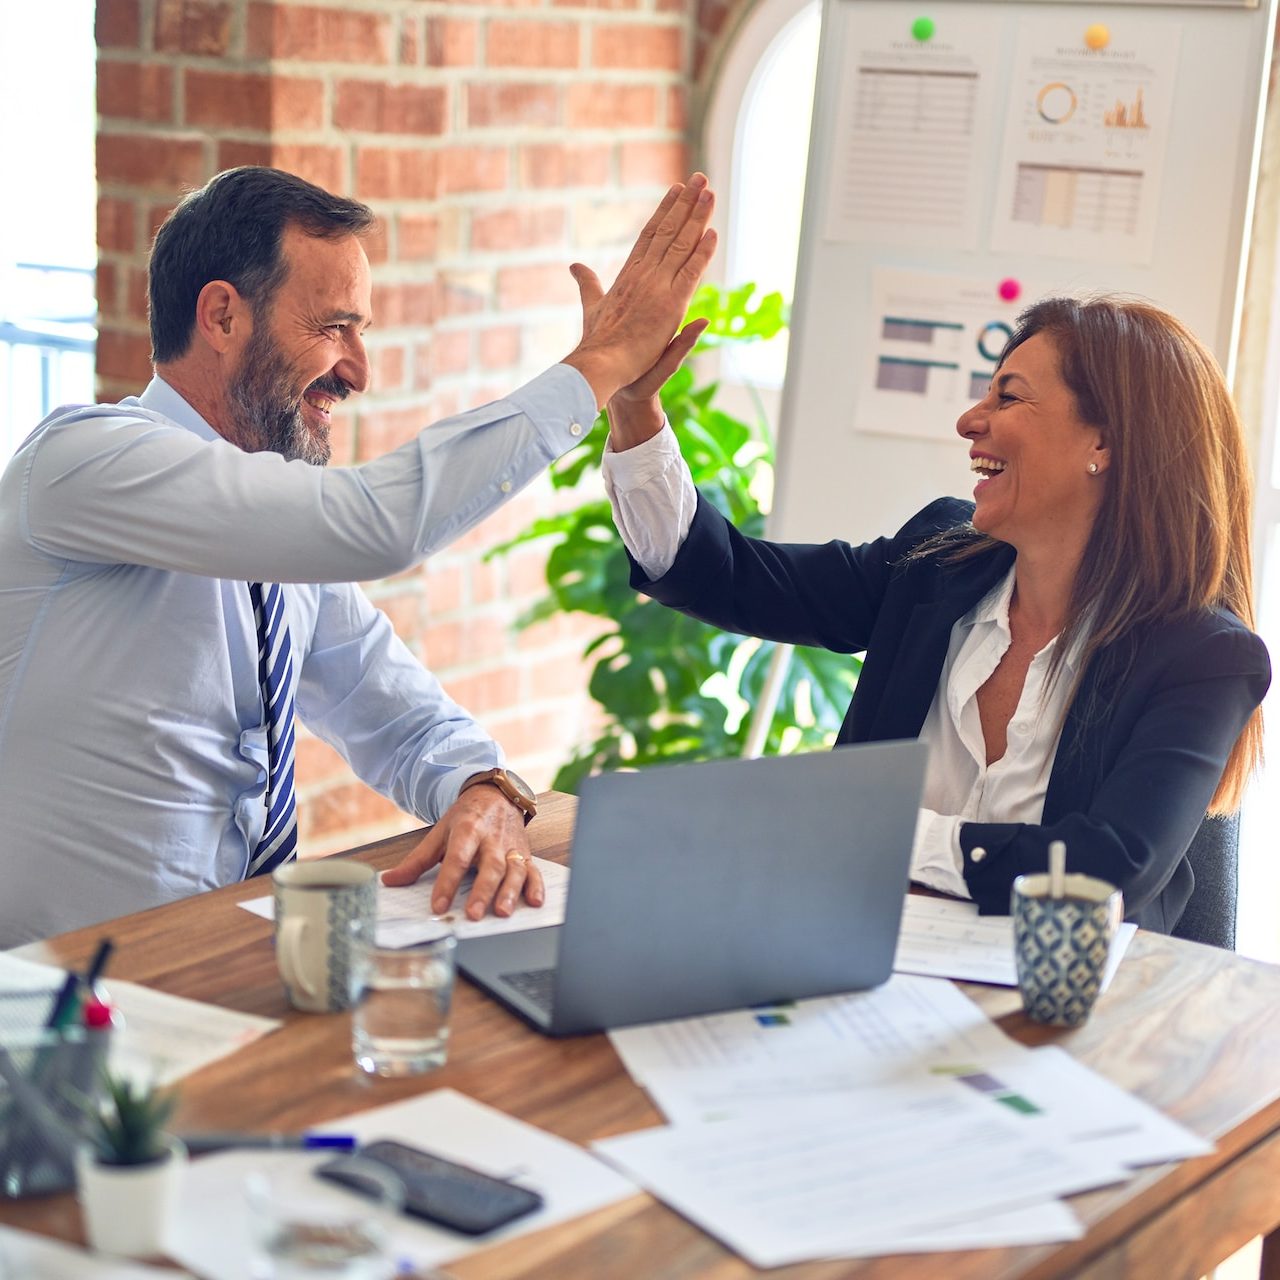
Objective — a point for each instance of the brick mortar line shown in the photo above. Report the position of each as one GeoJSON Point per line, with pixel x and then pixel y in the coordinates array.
{"type": "Point", "coordinates": [332, 136]}
{"type": "Point", "coordinates": [414, 74]}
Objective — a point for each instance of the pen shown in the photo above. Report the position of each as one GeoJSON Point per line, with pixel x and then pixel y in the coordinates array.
{"type": "Point", "coordinates": [66, 1006]}
{"type": "Point", "coordinates": [98, 963]}
{"type": "Point", "coordinates": [200, 1143]}
{"type": "Point", "coordinates": [64, 1003]}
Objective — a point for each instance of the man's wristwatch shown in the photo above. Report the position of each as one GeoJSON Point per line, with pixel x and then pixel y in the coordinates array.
{"type": "Point", "coordinates": [512, 785]}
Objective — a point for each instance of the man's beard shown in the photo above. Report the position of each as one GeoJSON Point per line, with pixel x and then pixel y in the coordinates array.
{"type": "Point", "coordinates": [267, 410]}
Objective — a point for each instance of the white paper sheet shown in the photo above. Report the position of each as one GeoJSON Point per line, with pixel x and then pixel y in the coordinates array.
{"type": "Point", "coordinates": [853, 1174]}
{"type": "Point", "coordinates": [1060, 1100]}
{"type": "Point", "coordinates": [908, 1019]}
{"type": "Point", "coordinates": [24, 1256]}
{"type": "Point", "coordinates": [945, 938]}
{"type": "Point", "coordinates": [910, 140]}
{"type": "Point", "coordinates": [703, 1068]}
{"type": "Point", "coordinates": [1049, 1223]}
{"type": "Point", "coordinates": [165, 1037]}
{"type": "Point", "coordinates": [1086, 132]}
{"type": "Point", "coordinates": [212, 1233]}
{"type": "Point", "coordinates": [405, 915]}
{"type": "Point", "coordinates": [935, 339]}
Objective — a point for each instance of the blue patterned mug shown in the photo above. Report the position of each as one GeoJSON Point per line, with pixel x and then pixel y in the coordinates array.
{"type": "Point", "coordinates": [1061, 945]}
{"type": "Point", "coordinates": [316, 904]}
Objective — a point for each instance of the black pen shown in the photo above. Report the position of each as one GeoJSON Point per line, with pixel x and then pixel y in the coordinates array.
{"type": "Point", "coordinates": [98, 963]}
{"type": "Point", "coordinates": [201, 1143]}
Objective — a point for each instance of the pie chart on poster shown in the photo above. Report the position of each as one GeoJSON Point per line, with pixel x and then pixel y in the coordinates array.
{"type": "Point", "coordinates": [1056, 103]}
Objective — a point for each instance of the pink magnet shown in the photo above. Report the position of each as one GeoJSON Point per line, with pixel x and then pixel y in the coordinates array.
{"type": "Point", "coordinates": [1010, 290]}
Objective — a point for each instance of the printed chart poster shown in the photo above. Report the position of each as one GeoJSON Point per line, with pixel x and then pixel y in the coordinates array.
{"type": "Point", "coordinates": [912, 122]}
{"type": "Point", "coordinates": [1085, 139]}
{"type": "Point", "coordinates": [935, 343]}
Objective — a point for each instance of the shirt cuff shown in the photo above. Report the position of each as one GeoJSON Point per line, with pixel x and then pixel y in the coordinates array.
{"type": "Point", "coordinates": [936, 859]}
{"type": "Point", "coordinates": [653, 500]}
{"type": "Point", "coordinates": [636, 467]}
{"type": "Point", "coordinates": [561, 406]}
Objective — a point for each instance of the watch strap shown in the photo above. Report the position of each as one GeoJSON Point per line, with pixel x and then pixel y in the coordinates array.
{"type": "Point", "coordinates": [519, 793]}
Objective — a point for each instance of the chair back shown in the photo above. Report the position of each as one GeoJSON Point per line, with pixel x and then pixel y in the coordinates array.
{"type": "Point", "coordinates": [1214, 854]}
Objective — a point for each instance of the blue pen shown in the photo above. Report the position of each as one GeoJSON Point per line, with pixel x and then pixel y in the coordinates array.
{"type": "Point", "coordinates": [200, 1143]}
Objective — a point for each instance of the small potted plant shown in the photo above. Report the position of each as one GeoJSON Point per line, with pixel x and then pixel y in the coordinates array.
{"type": "Point", "coordinates": [129, 1169]}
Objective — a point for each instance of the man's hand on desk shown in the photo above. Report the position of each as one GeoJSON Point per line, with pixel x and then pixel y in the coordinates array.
{"type": "Point", "coordinates": [482, 828]}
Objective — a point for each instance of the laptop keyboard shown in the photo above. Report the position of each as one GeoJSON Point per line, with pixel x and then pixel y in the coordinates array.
{"type": "Point", "coordinates": [536, 985]}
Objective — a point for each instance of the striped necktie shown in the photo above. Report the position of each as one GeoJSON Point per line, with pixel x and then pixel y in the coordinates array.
{"type": "Point", "coordinates": [279, 840]}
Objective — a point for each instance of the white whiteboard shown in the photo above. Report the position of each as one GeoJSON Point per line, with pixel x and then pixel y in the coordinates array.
{"type": "Point", "coordinates": [1209, 63]}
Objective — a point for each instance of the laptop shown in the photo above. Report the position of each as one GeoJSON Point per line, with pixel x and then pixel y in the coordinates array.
{"type": "Point", "coordinates": [701, 887]}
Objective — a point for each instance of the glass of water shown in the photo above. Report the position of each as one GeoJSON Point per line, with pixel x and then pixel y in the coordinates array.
{"type": "Point", "coordinates": [400, 1021]}
{"type": "Point", "coordinates": [305, 1229]}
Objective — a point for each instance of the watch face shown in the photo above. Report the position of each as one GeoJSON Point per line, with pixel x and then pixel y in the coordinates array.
{"type": "Point", "coordinates": [522, 786]}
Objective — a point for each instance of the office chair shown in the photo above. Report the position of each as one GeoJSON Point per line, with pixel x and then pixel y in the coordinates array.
{"type": "Point", "coordinates": [1214, 854]}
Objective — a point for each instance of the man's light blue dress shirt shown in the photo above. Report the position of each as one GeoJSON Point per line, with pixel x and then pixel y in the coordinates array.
{"type": "Point", "coordinates": [133, 747]}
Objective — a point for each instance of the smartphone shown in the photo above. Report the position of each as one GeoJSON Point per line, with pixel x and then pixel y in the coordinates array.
{"type": "Point", "coordinates": [440, 1190]}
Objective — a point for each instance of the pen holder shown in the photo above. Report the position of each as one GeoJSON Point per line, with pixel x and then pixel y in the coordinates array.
{"type": "Point", "coordinates": [49, 1082]}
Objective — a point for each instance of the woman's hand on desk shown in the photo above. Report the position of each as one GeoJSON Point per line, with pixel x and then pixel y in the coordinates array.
{"type": "Point", "coordinates": [482, 828]}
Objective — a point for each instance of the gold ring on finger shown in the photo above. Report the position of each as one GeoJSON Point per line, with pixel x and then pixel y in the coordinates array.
{"type": "Point", "coordinates": [513, 856]}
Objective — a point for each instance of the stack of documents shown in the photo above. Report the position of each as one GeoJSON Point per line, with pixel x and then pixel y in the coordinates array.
{"type": "Point", "coordinates": [888, 1121]}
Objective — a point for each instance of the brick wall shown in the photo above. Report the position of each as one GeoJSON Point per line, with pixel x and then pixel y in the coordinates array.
{"type": "Point", "coordinates": [497, 142]}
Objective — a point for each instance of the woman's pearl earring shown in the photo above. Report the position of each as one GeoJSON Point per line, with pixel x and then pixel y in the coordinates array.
{"type": "Point", "coordinates": [1093, 468]}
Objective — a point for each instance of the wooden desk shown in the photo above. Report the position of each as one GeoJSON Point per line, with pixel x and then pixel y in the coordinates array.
{"type": "Point", "coordinates": [1193, 1030]}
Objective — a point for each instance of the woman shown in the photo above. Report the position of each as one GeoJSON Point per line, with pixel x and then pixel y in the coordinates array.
{"type": "Point", "coordinates": [1074, 645]}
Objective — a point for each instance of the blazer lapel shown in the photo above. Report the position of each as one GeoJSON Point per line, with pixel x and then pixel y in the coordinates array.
{"type": "Point", "coordinates": [917, 666]}
{"type": "Point", "coordinates": [908, 693]}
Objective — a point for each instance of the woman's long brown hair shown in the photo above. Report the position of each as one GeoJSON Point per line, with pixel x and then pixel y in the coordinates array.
{"type": "Point", "coordinates": [1172, 534]}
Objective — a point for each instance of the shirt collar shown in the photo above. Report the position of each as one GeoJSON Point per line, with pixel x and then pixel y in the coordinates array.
{"type": "Point", "coordinates": [161, 398]}
{"type": "Point", "coordinates": [993, 609]}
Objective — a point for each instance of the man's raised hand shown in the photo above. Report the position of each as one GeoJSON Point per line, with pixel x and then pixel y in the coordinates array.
{"type": "Point", "coordinates": [627, 331]}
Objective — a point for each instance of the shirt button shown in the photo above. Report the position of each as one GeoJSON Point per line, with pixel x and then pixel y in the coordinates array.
{"type": "Point", "coordinates": [575, 429]}
{"type": "Point", "coordinates": [978, 854]}
{"type": "Point", "coordinates": [505, 486]}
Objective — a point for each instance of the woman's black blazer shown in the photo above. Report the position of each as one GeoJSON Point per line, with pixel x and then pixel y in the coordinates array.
{"type": "Point", "coordinates": [1144, 741]}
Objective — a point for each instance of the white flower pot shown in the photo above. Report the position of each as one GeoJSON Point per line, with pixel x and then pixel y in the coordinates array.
{"type": "Point", "coordinates": [128, 1208]}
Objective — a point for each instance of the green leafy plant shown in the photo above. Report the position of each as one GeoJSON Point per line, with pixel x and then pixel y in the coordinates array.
{"type": "Point", "coordinates": [673, 689]}
{"type": "Point", "coordinates": [127, 1126]}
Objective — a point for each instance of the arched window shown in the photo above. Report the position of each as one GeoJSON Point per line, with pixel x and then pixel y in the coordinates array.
{"type": "Point", "coordinates": [757, 150]}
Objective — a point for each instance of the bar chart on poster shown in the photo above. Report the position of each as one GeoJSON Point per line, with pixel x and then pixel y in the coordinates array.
{"type": "Point", "coordinates": [968, 158]}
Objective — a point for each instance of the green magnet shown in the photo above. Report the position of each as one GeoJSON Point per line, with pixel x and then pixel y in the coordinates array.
{"type": "Point", "coordinates": [923, 28]}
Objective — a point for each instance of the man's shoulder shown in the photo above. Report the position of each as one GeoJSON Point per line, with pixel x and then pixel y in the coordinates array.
{"type": "Point", "coordinates": [93, 421]}
{"type": "Point", "coordinates": [130, 409]}
{"type": "Point", "coordinates": [119, 413]}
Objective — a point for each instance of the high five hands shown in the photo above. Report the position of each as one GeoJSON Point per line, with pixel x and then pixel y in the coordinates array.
{"type": "Point", "coordinates": [631, 335]}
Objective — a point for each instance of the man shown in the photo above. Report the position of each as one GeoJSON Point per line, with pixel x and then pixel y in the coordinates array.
{"type": "Point", "coordinates": [150, 665]}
